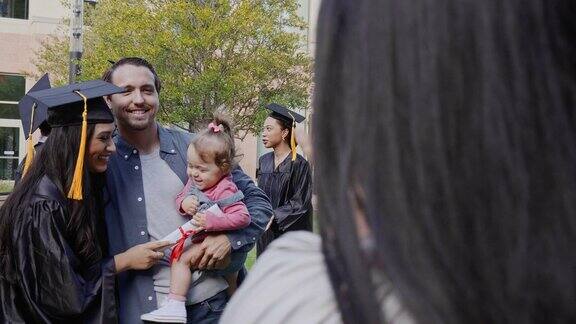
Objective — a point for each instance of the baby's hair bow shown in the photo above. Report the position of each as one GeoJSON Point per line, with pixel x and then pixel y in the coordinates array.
{"type": "Point", "coordinates": [216, 128]}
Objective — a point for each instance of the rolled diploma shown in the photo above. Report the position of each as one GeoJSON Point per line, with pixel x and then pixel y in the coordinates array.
{"type": "Point", "coordinates": [189, 225]}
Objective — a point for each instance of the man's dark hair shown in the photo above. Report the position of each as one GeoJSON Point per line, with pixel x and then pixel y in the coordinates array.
{"type": "Point", "coordinates": [136, 61]}
{"type": "Point", "coordinates": [447, 130]}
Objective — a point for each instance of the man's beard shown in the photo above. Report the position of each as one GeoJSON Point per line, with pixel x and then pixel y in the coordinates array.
{"type": "Point", "coordinates": [135, 124]}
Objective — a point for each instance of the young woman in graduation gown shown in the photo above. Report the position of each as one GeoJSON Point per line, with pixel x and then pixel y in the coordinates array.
{"type": "Point", "coordinates": [285, 177]}
{"type": "Point", "coordinates": [52, 248]}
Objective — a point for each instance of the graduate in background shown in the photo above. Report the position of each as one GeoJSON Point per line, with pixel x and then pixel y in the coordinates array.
{"type": "Point", "coordinates": [445, 169]}
{"type": "Point", "coordinates": [285, 176]}
{"type": "Point", "coordinates": [52, 238]}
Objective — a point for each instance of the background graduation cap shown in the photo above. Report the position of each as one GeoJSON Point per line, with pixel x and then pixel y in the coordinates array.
{"type": "Point", "coordinates": [32, 114]}
{"type": "Point", "coordinates": [290, 117]}
{"type": "Point", "coordinates": [74, 105]}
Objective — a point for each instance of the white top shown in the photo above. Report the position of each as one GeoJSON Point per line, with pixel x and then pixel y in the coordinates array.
{"type": "Point", "coordinates": [289, 283]}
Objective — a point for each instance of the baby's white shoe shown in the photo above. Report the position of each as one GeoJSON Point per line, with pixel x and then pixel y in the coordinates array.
{"type": "Point", "coordinates": [173, 311]}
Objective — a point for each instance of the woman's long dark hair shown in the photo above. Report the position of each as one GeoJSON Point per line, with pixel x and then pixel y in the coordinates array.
{"type": "Point", "coordinates": [57, 160]}
{"type": "Point", "coordinates": [449, 126]}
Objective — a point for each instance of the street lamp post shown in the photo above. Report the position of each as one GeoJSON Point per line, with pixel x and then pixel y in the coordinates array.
{"type": "Point", "coordinates": [76, 33]}
{"type": "Point", "coordinates": [76, 25]}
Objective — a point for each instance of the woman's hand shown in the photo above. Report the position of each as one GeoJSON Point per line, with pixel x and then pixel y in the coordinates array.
{"type": "Point", "coordinates": [140, 257]}
{"type": "Point", "coordinates": [190, 205]}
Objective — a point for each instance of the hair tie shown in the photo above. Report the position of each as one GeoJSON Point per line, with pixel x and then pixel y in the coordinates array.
{"type": "Point", "coordinates": [215, 128]}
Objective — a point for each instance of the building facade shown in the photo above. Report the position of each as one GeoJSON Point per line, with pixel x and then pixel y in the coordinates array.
{"type": "Point", "coordinates": [24, 24]}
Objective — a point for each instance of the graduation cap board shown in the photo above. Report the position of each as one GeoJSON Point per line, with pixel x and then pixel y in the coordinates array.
{"type": "Point", "coordinates": [282, 113]}
{"type": "Point", "coordinates": [74, 105]}
{"type": "Point", "coordinates": [66, 104]}
{"type": "Point", "coordinates": [32, 114]}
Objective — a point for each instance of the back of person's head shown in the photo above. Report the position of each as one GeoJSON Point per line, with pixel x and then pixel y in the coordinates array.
{"type": "Point", "coordinates": [448, 130]}
{"type": "Point", "coordinates": [216, 143]}
{"type": "Point", "coordinates": [135, 61]}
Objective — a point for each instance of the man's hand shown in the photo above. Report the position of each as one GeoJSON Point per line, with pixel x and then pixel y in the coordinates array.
{"type": "Point", "coordinates": [213, 253]}
{"type": "Point", "coordinates": [190, 205]}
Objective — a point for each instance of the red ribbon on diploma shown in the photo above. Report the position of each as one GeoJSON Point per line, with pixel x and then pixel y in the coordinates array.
{"type": "Point", "coordinates": [179, 247]}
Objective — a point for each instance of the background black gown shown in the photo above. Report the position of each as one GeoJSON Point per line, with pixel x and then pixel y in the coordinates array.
{"type": "Point", "coordinates": [289, 188]}
{"type": "Point", "coordinates": [50, 284]}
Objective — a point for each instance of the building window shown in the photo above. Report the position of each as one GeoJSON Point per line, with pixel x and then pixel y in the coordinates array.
{"type": "Point", "coordinates": [9, 111]}
{"type": "Point", "coordinates": [14, 9]}
{"type": "Point", "coordinates": [12, 88]}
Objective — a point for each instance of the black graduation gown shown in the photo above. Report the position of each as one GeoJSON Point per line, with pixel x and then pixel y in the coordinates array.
{"type": "Point", "coordinates": [51, 284]}
{"type": "Point", "coordinates": [289, 188]}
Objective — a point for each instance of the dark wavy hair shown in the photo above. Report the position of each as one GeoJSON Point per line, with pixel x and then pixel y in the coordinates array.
{"type": "Point", "coordinates": [56, 160]}
{"type": "Point", "coordinates": [448, 127]}
{"type": "Point", "coordinates": [136, 61]}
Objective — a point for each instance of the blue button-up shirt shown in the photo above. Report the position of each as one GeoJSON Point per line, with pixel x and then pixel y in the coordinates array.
{"type": "Point", "coordinates": [126, 215]}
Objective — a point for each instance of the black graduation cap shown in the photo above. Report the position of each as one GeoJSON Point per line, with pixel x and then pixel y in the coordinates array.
{"type": "Point", "coordinates": [66, 104]}
{"type": "Point", "coordinates": [31, 121]}
{"type": "Point", "coordinates": [287, 115]}
{"type": "Point", "coordinates": [78, 104]}
{"type": "Point", "coordinates": [283, 113]}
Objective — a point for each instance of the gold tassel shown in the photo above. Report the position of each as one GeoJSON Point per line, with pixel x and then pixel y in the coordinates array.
{"type": "Point", "coordinates": [293, 138]}
{"type": "Point", "coordinates": [29, 144]}
{"type": "Point", "coordinates": [29, 155]}
{"type": "Point", "coordinates": [76, 187]}
{"type": "Point", "coordinates": [293, 142]}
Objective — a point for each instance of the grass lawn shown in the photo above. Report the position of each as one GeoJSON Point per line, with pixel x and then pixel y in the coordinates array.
{"type": "Point", "coordinates": [6, 186]}
{"type": "Point", "coordinates": [250, 259]}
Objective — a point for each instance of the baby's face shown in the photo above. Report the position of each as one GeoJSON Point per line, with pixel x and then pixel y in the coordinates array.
{"type": "Point", "coordinates": [204, 174]}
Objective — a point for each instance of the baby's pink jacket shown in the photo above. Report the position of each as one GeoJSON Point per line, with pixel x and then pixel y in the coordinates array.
{"type": "Point", "coordinates": [233, 217]}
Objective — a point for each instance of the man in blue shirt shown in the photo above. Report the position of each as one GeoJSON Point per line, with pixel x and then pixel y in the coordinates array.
{"type": "Point", "coordinates": [143, 177]}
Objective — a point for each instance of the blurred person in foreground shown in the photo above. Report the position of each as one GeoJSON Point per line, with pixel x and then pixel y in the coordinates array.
{"type": "Point", "coordinates": [445, 167]}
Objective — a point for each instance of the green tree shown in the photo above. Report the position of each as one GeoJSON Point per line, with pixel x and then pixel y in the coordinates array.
{"type": "Point", "coordinates": [239, 54]}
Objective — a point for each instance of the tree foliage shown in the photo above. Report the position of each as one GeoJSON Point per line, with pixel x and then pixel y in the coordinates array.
{"type": "Point", "coordinates": [238, 54]}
